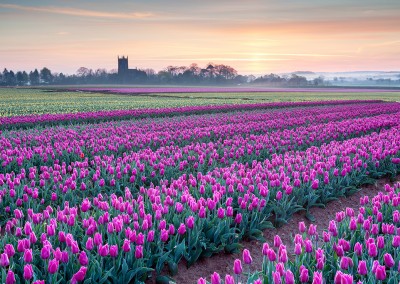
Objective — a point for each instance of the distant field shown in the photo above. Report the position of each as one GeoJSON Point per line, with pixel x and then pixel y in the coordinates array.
{"type": "Point", "coordinates": [14, 102]}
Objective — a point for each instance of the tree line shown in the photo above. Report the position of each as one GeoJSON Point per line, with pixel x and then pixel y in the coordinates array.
{"type": "Point", "coordinates": [212, 74]}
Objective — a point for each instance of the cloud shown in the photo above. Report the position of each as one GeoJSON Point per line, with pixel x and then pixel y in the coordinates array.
{"type": "Point", "coordinates": [78, 12]}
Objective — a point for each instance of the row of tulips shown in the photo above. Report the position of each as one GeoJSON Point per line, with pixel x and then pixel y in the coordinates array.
{"type": "Point", "coordinates": [185, 218]}
{"type": "Point", "coordinates": [191, 146]}
{"type": "Point", "coordinates": [54, 119]}
{"type": "Point", "coordinates": [357, 247]}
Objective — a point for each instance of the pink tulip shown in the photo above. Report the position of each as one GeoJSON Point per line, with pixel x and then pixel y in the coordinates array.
{"type": "Point", "coordinates": [229, 279]}
{"type": "Point", "coordinates": [380, 272]}
{"type": "Point", "coordinates": [362, 268]}
{"type": "Point", "coordinates": [271, 255]}
{"type": "Point", "coordinates": [89, 244]}
{"type": "Point", "coordinates": [64, 257]}
{"type": "Point", "coordinates": [317, 278]}
{"type": "Point", "coordinates": [265, 249]}
{"type": "Point", "coordinates": [388, 259]}
{"type": "Point", "coordinates": [28, 272]}
{"type": "Point", "coordinates": [182, 229]}
{"type": "Point", "coordinates": [304, 275]}
{"type": "Point", "coordinates": [289, 277]}
{"type": "Point", "coordinates": [277, 241]}
{"type": "Point", "coordinates": [28, 255]}
{"type": "Point", "coordinates": [139, 252]}
{"type": "Point", "coordinates": [4, 260]}
{"type": "Point", "coordinates": [346, 263]}
{"type": "Point", "coordinates": [372, 250]}
{"type": "Point", "coordinates": [237, 266]}
{"type": "Point", "coordinates": [53, 266]}
{"type": "Point", "coordinates": [276, 277]}
{"type": "Point", "coordinates": [83, 259]}
{"type": "Point", "coordinates": [9, 250]}
{"type": "Point", "coordinates": [215, 278]}
{"type": "Point", "coordinates": [302, 227]}
{"type": "Point", "coordinates": [80, 275]}
{"type": "Point", "coordinates": [113, 250]}
{"type": "Point", "coordinates": [247, 257]}
{"type": "Point", "coordinates": [10, 278]}
{"type": "Point", "coordinates": [45, 252]}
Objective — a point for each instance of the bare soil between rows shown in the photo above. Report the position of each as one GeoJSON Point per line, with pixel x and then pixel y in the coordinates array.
{"type": "Point", "coordinates": [223, 262]}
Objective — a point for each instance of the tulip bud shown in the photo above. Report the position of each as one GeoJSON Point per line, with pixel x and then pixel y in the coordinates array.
{"type": "Point", "coordinates": [53, 266]}
{"type": "Point", "coordinates": [215, 278]}
{"type": "Point", "coordinates": [237, 266]}
{"type": "Point", "coordinates": [289, 277]}
{"type": "Point", "coordinates": [45, 252]}
{"type": "Point", "coordinates": [276, 277]}
{"type": "Point", "coordinates": [28, 272]}
{"type": "Point", "coordinates": [113, 250]}
{"type": "Point", "coordinates": [247, 257]}
{"type": "Point", "coordinates": [265, 249]}
{"type": "Point", "coordinates": [83, 259]}
{"type": "Point", "coordinates": [277, 241]}
{"type": "Point", "coordinates": [80, 275]}
{"type": "Point", "coordinates": [9, 250]}
{"type": "Point", "coordinates": [388, 259]}
{"type": "Point", "coordinates": [380, 272]}
{"type": "Point", "coordinates": [4, 260]}
{"type": "Point", "coordinates": [362, 268]}
{"type": "Point", "coordinates": [302, 227]}
{"type": "Point", "coordinates": [28, 255]}
{"type": "Point", "coordinates": [139, 252]}
{"type": "Point", "coordinates": [304, 275]}
{"type": "Point", "coordinates": [10, 278]}
{"type": "Point", "coordinates": [182, 229]}
{"type": "Point", "coordinates": [64, 257]}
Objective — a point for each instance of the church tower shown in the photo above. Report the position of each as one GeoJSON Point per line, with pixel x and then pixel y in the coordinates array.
{"type": "Point", "coordinates": [122, 66]}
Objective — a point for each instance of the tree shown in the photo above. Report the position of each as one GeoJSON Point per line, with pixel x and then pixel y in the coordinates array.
{"type": "Point", "coordinates": [22, 78]}
{"type": "Point", "coordinates": [9, 78]}
{"type": "Point", "coordinates": [46, 76]}
{"type": "Point", "coordinates": [84, 72]}
{"type": "Point", "coordinates": [34, 77]}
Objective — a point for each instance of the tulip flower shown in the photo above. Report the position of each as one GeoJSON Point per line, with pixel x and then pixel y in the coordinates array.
{"type": "Point", "coordinates": [237, 266]}
{"type": "Point", "coordinates": [138, 252]}
{"type": "Point", "coordinates": [304, 275]}
{"type": "Point", "coordinates": [9, 250]}
{"type": "Point", "coordinates": [247, 257]}
{"type": "Point", "coordinates": [80, 275]}
{"type": "Point", "coordinates": [380, 272]}
{"type": "Point", "coordinates": [10, 278]}
{"type": "Point", "coordinates": [4, 260]}
{"type": "Point", "coordinates": [276, 277]}
{"type": "Point", "coordinates": [289, 277]}
{"type": "Point", "coordinates": [28, 272]}
{"type": "Point", "coordinates": [215, 278]}
{"type": "Point", "coordinates": [362, 268]}
{"type": "Point", "coordinates": [53, 266]}
{"type": "Point", "coordinates": [83, 259]}
{"type": "Point", "coordinates": [113, 250]}
{"type": "Point", "coordinates": [388, 259]}
{"type": "Point", "coordinates": [28, 255]}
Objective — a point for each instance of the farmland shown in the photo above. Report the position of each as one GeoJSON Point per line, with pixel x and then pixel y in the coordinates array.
{"type": "Point", "coordinates": [112, 188]}
{"type": "Point", "coordinates": [17, 102]}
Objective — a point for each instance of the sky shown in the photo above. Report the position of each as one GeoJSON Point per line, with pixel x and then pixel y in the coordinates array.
{"type": "Point", "coordinates": [253, 36]}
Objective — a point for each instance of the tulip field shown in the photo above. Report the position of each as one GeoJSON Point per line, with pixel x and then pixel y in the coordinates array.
{"type": "Point", "coordinates": [121, 196]}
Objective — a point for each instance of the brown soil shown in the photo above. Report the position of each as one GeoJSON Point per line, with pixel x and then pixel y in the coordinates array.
{"type": "Point", "coordinates": [223, 262]}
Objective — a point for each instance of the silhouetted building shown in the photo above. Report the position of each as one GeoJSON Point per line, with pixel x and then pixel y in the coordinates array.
{"type": "Point", "coordinates": [127, 75]}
